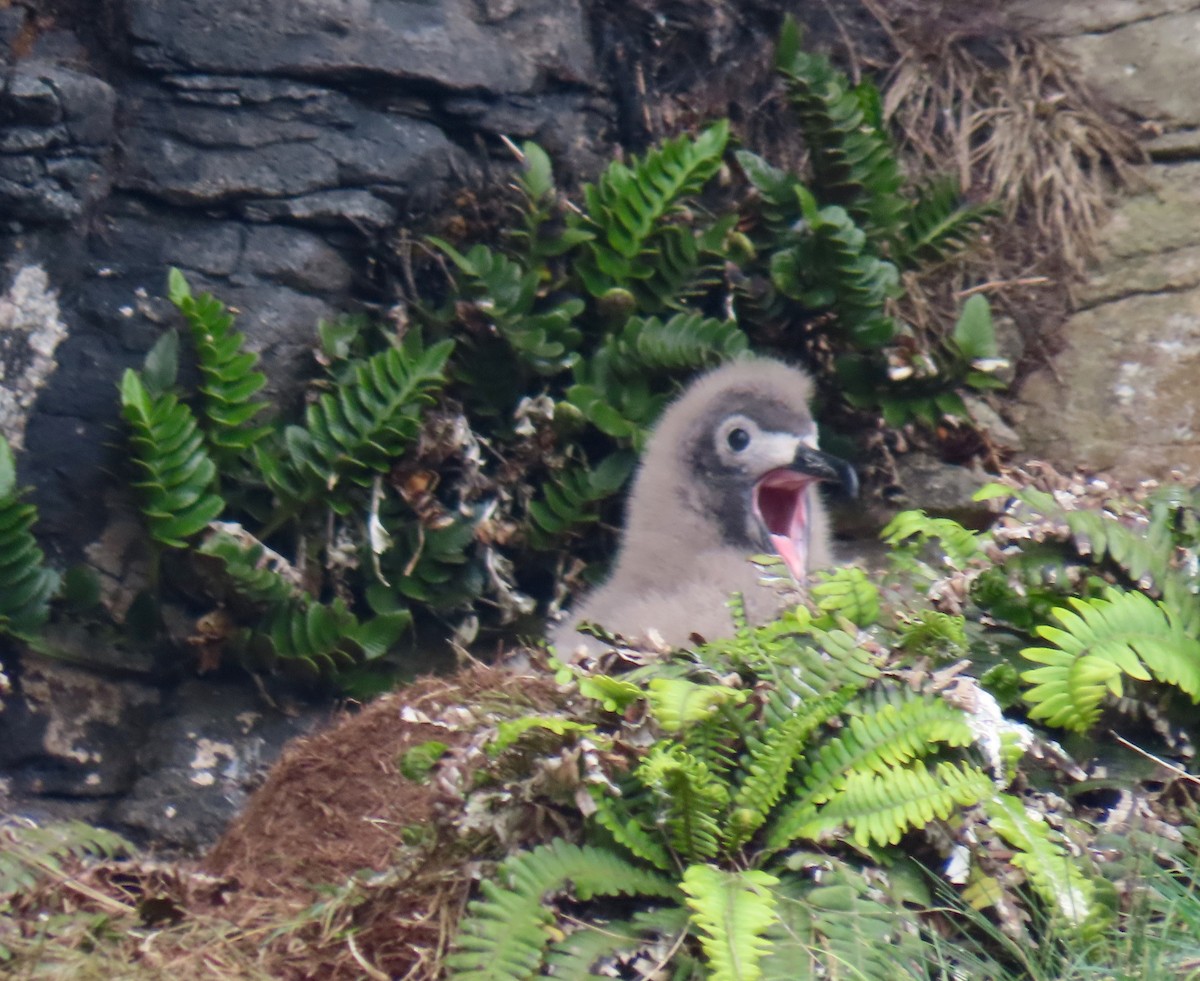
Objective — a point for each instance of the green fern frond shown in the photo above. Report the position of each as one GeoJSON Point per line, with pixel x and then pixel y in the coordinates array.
{"type": "Point", "coordinates": [732, 911]}
{"type": "Point", "coordinates": [847, 592]}
{"type": "Point", "coordinates": [294, 627]}
{"type": "Point", "coordinates": [621, 818]}
{"type": "Point", "coordinates": [571, 498]}
{"type": "Point", "coordinates": [507, 295]}
{"type": "Point", "coordinates": [326, 637]}
{"type": "Point", "coordinates": [915, 529]}
{"type": "Point", "coordinates": [778, 198]}
{"type": "Point", "coordinates": [853, 162]}
{"type": "Point", "coordinates": [839, 928]}
{"type": "Point", "coordinates": [511, 730]}
{"type": "Point", "coordinates": [435, 566]}
{"type": "Point", "coordinates": [257, 574]}
{"type": "Point", "coordinates": [30, 854]}
{"type": "Point", "coordinates": [691, 799]}
{"type": "Point", "coordinates": [575, 957]}
{"type": "Point", "coordinates": [933, 632]}
{"type": "Point", "coordinates": [905, 726]}
{"type": "Point", "coordinates": [831, 266]}
{"type": "Point", "coordinates": [26, 585]}
{"type": "Point", "coordinates": [769, 763]}
{"type": "Point", "coordinates": [880, 807]}
{"type": "Point", "coordinates": [360, 429]}
{"type": "Point", "coordinates": [1121, 634]}
{"type": "Point", "coordinates": [630, 214]}
{"type": "Point", "coordinates": [177, 474]}
{"type": "Point", "coordinates": [686, 341]}
{"type": "Point", "coordinates": [677, 703]}
{"type": "Point", "coordinates": [1144, 552]}
{"type": "Point", "coordinates": [229, 380]}
{"type": "Point", "coordinates": [506, 931]}
{"type": "Point", "coordinates": [940, 225]}
{"type": "Point", "coordinates": [797, 660]}
{"type": "Point", "coordinates": [1044, 857]}
{"type": "Point", "coordinates": [879, 742]}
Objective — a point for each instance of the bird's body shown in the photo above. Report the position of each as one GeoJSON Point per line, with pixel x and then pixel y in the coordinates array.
{"type": "Point", "coordinates": [729, 471]}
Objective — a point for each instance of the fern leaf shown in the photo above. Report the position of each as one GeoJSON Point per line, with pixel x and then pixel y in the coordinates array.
{"type": "Point", "coordinates": [258, 574]}
{"type": "Point", "coordinates": [229, 379]}
{"type": "Point", "coordinates": [634, 245]}
{"type": "Point", "coordinates": [30, 854]}
{"type": "Point", "coordinates": [799, 662]}
{"type": "Point", "coordinates": [732, 911]}
{"type": "Point", "coordinates": [940, 225]}
{"type": "Point", "coordinates": [839, 928]}
{"type": "Point", "coordinates": [26, 585]}
{"type": "Point", "coordinates": [572, 498]}
{"type": "Point", "coordinates": [847, 592]}
{"type": "Point", "coordinates": [853, 163]}
{"type": "Point", "coordinates": [176, 472]}
{"type": "Point", "coordinates": [621, 816]}
{"type": "Point", "coordinates": [833, 267]}
{"type": "Point", "coordinates": [506, 294]}
{"type": "Point", "coordinates": [677, 703]}
{"type": "Point", "coordinates": [1120, 634]}
{"type": "Point", "coordinates": [360, 429]}
{"type": "Point", "coordinates": [687, 341]}
{"type": "Point", "coordinates": [505, 932]}
{"type": "Point", "coordinates": [913, 529]}
{"type": "Point", "coordinates": [878, 742]}
{"type": "Point", "coordinates": [880, 807]}
{"type": "Point", "coordinates": [691, 799]}
{"type": "Point", "coordinates": [1047, 862]}
{"type": "Point", "coordinates": [575, 957]}
{"type": "Point", "coordinates": [778, 200]}
{"type": "Point", "coordinates": [326, 637]}
{"type": "Point", "coordinates": [769, 764]}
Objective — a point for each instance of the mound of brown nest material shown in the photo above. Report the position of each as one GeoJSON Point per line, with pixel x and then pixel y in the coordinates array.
{"type": "Point", "coordinates": [336, 821]}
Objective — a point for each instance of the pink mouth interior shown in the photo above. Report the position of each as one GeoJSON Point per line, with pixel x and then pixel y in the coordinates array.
{"type": "Point", "coordinates": [780, 504]}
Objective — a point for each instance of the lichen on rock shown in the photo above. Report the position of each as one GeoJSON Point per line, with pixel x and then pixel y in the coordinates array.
{"type": "Point", "coordinates": [30, 332]}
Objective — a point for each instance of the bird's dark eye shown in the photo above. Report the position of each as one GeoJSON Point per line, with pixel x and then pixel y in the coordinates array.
{"type": "Point", "coordinates": [738, 440]}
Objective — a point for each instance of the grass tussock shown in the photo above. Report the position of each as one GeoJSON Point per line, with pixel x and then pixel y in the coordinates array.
{"type": "Point", "coordinates": [1006, 109]}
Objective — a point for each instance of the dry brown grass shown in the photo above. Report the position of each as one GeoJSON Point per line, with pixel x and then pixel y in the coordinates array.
{"type": "Point", "coordinates": [985, 97]}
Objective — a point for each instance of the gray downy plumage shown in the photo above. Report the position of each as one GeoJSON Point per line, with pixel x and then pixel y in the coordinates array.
{"type": "Point", "coordinates": [730, 470]}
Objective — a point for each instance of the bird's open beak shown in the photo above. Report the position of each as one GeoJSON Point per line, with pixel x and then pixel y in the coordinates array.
{"type": "Point", "coordinates": [781, 502]}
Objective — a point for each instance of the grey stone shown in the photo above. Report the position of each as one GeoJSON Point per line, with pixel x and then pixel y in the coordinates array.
{"type": "Point", "coordinates": [1094, 16]}
{"type": "Point", "coordinates": [155, 241]}
{"type": "Point", "coordinates": [72, 732]}
{"type": "Point", "coordinates": [1180, 144]}
{"type": "Point", "coordinates": [445, 43]}
{"type": "Point", "coordinates": [1121, 394]}
{"type": "Point", "coordinates": [937, 487]}
{"type": "Point", "coordinates": [986, 418]}
{"type": "Point", "coordinates": [281, 326]}
{"type": "Point", "coordinates": [1148, 67]}
{"type": "Point", "coordinates": [296, 258]}
{"type": "Point", "coordinates": [326, 209]}
{"type": "Point", "coordinates": [279, 140]}
{"type": "Point", "coordinates": [44, 96]}
{"type": "Point", "coordinates": [1163, 216]}
{"type": "Point", "coordinates": [202, 758]}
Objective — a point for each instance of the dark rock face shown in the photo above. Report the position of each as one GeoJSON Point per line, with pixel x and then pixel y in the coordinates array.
{"type": "Point", "coordinates": [56, 131]}
{"type": "Point", "coordinates": [266, 148]}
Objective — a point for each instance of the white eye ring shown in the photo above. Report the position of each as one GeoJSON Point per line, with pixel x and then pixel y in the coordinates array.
{"type": "Point", "coordinates": [736, 435]}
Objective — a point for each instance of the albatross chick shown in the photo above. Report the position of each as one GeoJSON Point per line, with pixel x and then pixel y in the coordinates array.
{"type": "Point", "coordinates": [730, 470]}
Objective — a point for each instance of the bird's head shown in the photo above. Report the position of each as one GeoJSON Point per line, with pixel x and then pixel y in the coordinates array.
{"type": "Point", "coordinates": [734, 462]}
